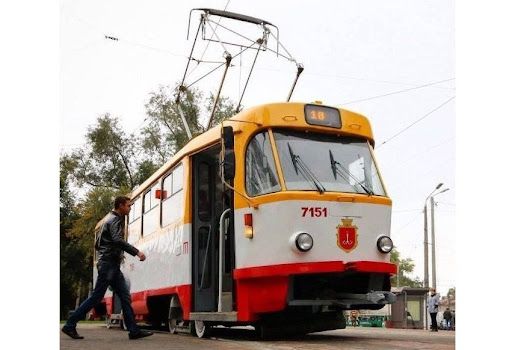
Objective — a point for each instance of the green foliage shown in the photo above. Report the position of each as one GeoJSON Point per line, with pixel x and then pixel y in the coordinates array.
{"type": "Point", "coordinates": [405, 266]}
{"type": "Point", "coordinates": [225, 109]}
{"type": "Point", "coordinates": [69, 249]}
{"type": "Point", "coordinates": [165, 133]}
{"type": "Point", "coordinates": [98, 202]}
{"type": "Point", "coordinates": [108, 160]}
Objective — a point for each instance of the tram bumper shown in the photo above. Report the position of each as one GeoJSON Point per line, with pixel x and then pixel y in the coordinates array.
{"type": "Point", "coordinates": [350, 300]}
{"type": "Point", "coordinates": [381, 297]}
{"type": "Point", "coordinates": [337, 284]}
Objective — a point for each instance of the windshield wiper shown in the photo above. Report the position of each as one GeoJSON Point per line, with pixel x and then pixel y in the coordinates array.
{"type": "Point", "coordinates": [336, 166]}
{"type": "Point", "coordinates": [299, 165]}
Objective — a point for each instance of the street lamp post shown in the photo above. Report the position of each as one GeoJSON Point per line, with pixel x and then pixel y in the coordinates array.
{"type": "Point", "coordinates": [432, 205]}
{"type": "Point", "coordinates": [425, 249]}
{"type": "Point", "coordinates": [425, 239]}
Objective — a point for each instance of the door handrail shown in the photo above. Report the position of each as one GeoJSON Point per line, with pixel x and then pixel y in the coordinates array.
{"type": "Point", "coordinates": [221, 256]}
{"type": "Point", "coordinates": [205, 256]}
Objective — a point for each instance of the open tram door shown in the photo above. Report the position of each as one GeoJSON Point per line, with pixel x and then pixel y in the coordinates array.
{"type": "Point", "coordinates": [212, 204]}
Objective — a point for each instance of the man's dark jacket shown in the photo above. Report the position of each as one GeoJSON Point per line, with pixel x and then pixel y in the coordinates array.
{"type": "Point", "coordinates": [447, 315]}
{"type": "Point", "coordinates": [110, 243]}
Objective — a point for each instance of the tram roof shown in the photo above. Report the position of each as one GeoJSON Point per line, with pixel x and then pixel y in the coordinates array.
{"type": "Point", "coordinates": [264, 116]}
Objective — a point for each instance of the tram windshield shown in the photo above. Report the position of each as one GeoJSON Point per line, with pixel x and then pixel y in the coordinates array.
{"type": "Point", "coordinates": [335, 163]}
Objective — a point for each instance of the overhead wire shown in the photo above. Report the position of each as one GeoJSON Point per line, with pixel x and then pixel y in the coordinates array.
{"type": "Point", "coordinates": [162, 50]}
{"type": "Point", "coordinates": [406, 210]}
{"type": "Point", "coordinates": [408, 223]}
{"type": "Point", "coordinates": [214, 69]}
{"type": "Point", "coordinates": [398, 92]}
{"type": "Point", "coordinates": [418, 120]}
{"type": "Point", "coordinates": [418, 154]}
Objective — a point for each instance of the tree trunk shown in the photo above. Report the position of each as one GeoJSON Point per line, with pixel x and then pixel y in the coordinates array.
{"type": "Point", "coordinates": [78, 294]}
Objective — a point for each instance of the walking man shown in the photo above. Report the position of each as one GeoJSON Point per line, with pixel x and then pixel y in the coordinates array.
{"type": "Point", "coordinates": [111, 246]}
{"type": "Point", "coordinates": [433, 308]}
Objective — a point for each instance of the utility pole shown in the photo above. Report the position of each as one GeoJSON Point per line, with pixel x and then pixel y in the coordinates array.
{"type": "Point", "coordinates": [425, 238]}
{"type": "Point", "coordinates": [425, 247]}
{"type": "Point", "coordinates": [432, 205]}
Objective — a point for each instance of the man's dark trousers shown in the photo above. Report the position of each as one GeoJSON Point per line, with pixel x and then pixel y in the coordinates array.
{"type": "Point", "coordinates": [109, 273]}
{"type": "Point", "coordinates": [433, 317]}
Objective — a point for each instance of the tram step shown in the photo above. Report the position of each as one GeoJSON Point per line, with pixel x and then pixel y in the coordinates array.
{"type": "Point", "coordinates": [231, 316]}
{"type": "Point", "coordinates": [227, 302]}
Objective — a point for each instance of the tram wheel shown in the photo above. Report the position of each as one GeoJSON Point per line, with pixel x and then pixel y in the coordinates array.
{"type": "Point", "coordinates": [122, 324]}
{"type": "Point", "coordinates": [175, 318]}
{"type": "Point", "coordinates": [108, 322]}
{"type": "Point", "coordinates": [200, 328]}
{"type": "Point", "coordinates": [175, 323]}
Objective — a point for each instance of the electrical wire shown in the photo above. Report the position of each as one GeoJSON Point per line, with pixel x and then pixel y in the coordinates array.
{"type": "Point", "coordinates": [410, 222]}
{"type": "Point", "coordinates": [423, 117]}
{"type": "Point", "coordinates": [214, 69]}
{"type": "Point", "coordinates": [398, 92]}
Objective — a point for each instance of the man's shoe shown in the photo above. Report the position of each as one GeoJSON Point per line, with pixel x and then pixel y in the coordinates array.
{"type": "Point", "coordinates": [140, 334]}
{"type": "Point", "coordinates": [71, 333]}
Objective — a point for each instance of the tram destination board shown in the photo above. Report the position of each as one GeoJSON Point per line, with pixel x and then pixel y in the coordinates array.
{"type": "Point", "coordinates": [323, 116]}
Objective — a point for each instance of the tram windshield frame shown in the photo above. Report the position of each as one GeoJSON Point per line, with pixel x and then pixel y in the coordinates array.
{"type": "Point", "coordinates": [338, 163]}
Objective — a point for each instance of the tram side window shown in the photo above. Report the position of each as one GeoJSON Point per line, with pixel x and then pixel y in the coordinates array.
{"type": "Point", "coordinates": [260, 169]}
{"type": "Point", "coordinates": [177, 179]}
{"type": "Point", "coordinates": [172, 205]}
{"type": "Point", "coordinates": [151, 212]}
{"type": "Point", "coordinates": [136, 209]}
{"type": "Point", "coordinates": [134, 221]}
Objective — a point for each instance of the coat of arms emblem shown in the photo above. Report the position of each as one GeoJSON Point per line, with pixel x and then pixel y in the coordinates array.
{"type": "Point", "coordinates": [347, 235]}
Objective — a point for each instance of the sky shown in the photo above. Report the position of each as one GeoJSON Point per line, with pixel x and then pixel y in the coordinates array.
{"type": "Point", "coordinates": [392, 61]}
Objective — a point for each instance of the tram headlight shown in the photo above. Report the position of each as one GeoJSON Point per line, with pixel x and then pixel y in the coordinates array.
{"type": "Point", "coordinates": [384, 244]}
{"type": "Point", "coordinates": [304, 241]}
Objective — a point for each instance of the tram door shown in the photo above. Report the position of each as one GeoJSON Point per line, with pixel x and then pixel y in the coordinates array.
{"type": "Point", "coordinates": [209, 201]}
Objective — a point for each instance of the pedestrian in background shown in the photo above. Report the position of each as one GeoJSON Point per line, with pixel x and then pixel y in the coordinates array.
{"type": "Point", "coordinates": [433, 308]}
{"type": "Point", "coordinates": [111, 246]}
{"type": "Point", "coordinates": [447, 316]}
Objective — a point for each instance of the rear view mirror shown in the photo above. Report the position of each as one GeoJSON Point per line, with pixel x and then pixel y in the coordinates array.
{"type": "Point", "coordinates": [228, 156]}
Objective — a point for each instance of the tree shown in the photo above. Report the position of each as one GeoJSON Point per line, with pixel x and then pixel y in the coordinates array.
{"type": "Point", "coordinates": [69, 249]}
{"type": "Point", "coordinates": [225, 109]}
{"type": "Point", "coordinates": [109, 158]}
{"type": "Point", "coordinates": [165, 133]}
{"type": "Point", "coordinates": [405, 266]}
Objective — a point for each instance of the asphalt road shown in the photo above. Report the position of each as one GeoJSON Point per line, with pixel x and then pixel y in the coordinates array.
{"type": "Point", "coordinates": [98, 337]}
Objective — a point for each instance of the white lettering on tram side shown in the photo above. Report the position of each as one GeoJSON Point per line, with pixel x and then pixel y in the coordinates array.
{"type": "Point", "coordinates": [177, 240]}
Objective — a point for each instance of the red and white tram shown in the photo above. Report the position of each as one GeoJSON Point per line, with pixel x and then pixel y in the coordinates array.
{"type": "Point", "coordinates": [278, 219]}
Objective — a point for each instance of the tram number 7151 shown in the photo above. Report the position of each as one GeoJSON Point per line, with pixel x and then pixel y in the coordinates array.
{"type": "Point", "coordinates": [314, 212]}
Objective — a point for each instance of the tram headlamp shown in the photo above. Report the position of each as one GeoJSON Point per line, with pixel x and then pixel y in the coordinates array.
{"type": "Point", "coordinates": [304, 241]}
{"type": "Point", "coordinates": [384, 244]}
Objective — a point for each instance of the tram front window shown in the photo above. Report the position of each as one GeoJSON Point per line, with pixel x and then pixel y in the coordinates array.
{"type": "Point", "coordinates": [337, 163]}
{"type": "Point", "coordinates": [260, 170]}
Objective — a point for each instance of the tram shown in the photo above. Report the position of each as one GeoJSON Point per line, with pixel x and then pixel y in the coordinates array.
{"type": "Point", "coordinates": [278, 218]}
